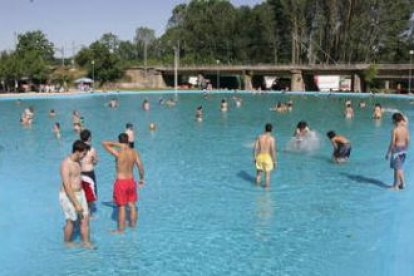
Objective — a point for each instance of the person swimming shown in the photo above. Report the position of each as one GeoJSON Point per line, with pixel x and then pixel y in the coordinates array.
{"type": "Point", "coordinates": [302, 129]}
{"type": "Point", "coordinates": [152, 127]}
{"type": "Point", "coordinates": [52, 113]}
{"type": "Point", "coordinates": [146, 105]}
{"type": "Point", "coordinates": [378, 111]}
{"type": "Point", "coordinates": [129, 130]}
{"type": "Point", "coordinates": [199, 114]}
{"type": "Point", "coordinates": [223, 105]}
{"type": "Point", "coordinates": [113, 103]}
{"type": "Point", "coordinates": [349, 111]}
{"type": "Point", "coordinates": [56, 130]}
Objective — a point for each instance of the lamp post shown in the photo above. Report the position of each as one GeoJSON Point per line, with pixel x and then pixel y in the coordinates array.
{"type": "Point", "coordinates": [176, 60]}
{"type": "Point", "coordinates": [93, 74]}
{"type": "Point", "coordinates": [62, 51]}
{"type": "Point", "coordinates": [218, 74]}
{"type": "Point", "coordinates": [409, 71]}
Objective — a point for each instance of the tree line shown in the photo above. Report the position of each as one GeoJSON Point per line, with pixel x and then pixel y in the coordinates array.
{"type": "Point", "coordinates": [215, 31]}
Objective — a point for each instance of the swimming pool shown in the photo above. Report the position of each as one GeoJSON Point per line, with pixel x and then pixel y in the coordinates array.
{"type": "Point", "coordinates": [200, 213]}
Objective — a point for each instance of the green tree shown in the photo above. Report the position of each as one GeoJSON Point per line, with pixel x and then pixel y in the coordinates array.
{"type": "Point", "coordinates": [36, 52]}
{"type": "Point", "coordinates": [106, 66]}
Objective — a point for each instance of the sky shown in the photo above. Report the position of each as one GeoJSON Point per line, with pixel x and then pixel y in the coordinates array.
{"type": "Point", "coordinates": [75, 23]}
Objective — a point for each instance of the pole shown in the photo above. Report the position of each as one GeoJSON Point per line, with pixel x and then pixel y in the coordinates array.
{"type": "Point", "coordinates": [63, 56]}
{"type": "Point", "coordinates": [73, 54]}
{"type": "Point", "coordinates": [218, 75]}
{"type": "Point", "coordinates": [145, 59]}
{"type": "Point", "coordinates": [175, 69]}
{"type": "Point", "coordinates": [93, 75]}
{"type": "Point", "coordinates": [409, 71]}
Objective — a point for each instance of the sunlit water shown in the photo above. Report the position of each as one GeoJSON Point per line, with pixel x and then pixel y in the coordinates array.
{"type": "Point", "coordinates": [200, 212]}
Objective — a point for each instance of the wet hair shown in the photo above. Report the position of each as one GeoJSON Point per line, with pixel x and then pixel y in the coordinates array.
{"type": "Point", "coordinates": [331, 134]}
{"type": "Point", "coordinates": [200, 107]}
{"type": "Point", "coordinates": [79, 146]}
{"type": "Point", "coordinates": [129, 125]}
{"type": "Point", "coordinates": [377, 104]}
{"type": "Point", "coordinates": [301, 125]}
{"type": "Point", "coordinates": [123, 138]}
{"type": "Point", "coordinates": [85, 135]}
{"type": "Point", "coordinates": [348, 105]}
{"type": "Point", "coordinates": [397, 117]}
{"type": "Point", "coordinates": [268, 127]}
{"type": "Point", "coordinates": [57, 124]}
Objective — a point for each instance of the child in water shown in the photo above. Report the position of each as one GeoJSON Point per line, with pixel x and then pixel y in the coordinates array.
{"type": "Point", "coordinates": [397, 150]}
{"type": "Point", "coordinates": [341, 147]}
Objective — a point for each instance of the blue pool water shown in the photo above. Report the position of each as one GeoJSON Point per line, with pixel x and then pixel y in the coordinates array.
{"type": "Point", "coordinates": [199, 212]}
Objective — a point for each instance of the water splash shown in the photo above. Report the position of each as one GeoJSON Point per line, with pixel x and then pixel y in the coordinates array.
{"type": "Point", "coordinates": [309, 143]}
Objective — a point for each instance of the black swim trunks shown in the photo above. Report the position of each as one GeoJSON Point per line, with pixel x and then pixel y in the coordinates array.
{"type": "Point", "coordinates": [342, 151]}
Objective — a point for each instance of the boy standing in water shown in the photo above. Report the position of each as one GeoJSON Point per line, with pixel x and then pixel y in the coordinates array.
{"type": "Point", "coordinates": [397, 150]}
{"type": "Point", "coordinates": [265, 154]}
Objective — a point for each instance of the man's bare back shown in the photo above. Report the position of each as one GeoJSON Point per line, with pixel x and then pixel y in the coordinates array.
{"type": "Point", "coordinates": [126, 158]}
{"type": "Point", "coordinates": [265, 144]}
{"type": "Point", "coordinates": [125, 162]}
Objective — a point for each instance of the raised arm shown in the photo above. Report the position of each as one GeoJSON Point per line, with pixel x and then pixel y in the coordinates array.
{"type": "Point", "coordinates": [109, 147]}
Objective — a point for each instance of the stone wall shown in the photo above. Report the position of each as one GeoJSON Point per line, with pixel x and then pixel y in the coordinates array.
{"type": "Point", "coordinates": [138, 78]}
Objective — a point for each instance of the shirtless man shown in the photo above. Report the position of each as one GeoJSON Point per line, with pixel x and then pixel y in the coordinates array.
{"type": "Point", "coordinates": [349, 111]}
{"type": "Point", "coordinates": [88, 173]}
{"type": "Point", "coordinates": [146, 105]}
{"type": "Point", "coordinates": [56, 130]}
{"type": "Point", "coordinates": [72, 197]}
{"type": "Point", "coordinates": [76, 121]}
{"type": "Point", "coordinates": [397, 150]}
{"type": "Point", "coordinates": [264, 154]}
{"type": "Point", "coordinates": [223, 105]}
{"type": "Point", "coordinates": [125, 188]}
{"type": "Point", "coordinates": [341, 147]}
{"type": "Point", "coordinates": [199, 114]}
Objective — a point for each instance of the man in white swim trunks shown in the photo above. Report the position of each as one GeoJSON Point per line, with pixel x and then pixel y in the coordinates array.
{"type": "Point", "coordinates": [72, 197]}
{"type": "Point", "coordinates": [264, 154]}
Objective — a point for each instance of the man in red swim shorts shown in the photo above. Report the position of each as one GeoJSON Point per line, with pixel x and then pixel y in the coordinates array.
{"type": "Point", "coordinates": [125, 187]}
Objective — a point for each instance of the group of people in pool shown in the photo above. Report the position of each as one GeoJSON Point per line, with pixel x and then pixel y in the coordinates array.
{"type": "Point", "coordinates": [265, 148]}
{"type": "Point", "coordinates": [79, 191]}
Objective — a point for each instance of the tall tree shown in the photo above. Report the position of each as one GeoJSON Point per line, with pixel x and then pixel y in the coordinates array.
{"type": "Point", "coordinates": [36, 52]}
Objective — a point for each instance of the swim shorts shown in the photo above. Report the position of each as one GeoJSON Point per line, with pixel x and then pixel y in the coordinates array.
{"type": "Point", "coordinates": [398, 158]}
{"type": "Point", "coordinates": [342, 151]}
{"type": "Point", "coordinates": [68, 208]}
{"type": "Point", "coordinates": [88, 185]}
{"type": "Point", "coordinates": [125, 190]}
{"type": "Point", "coordinates": [264, 162]}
